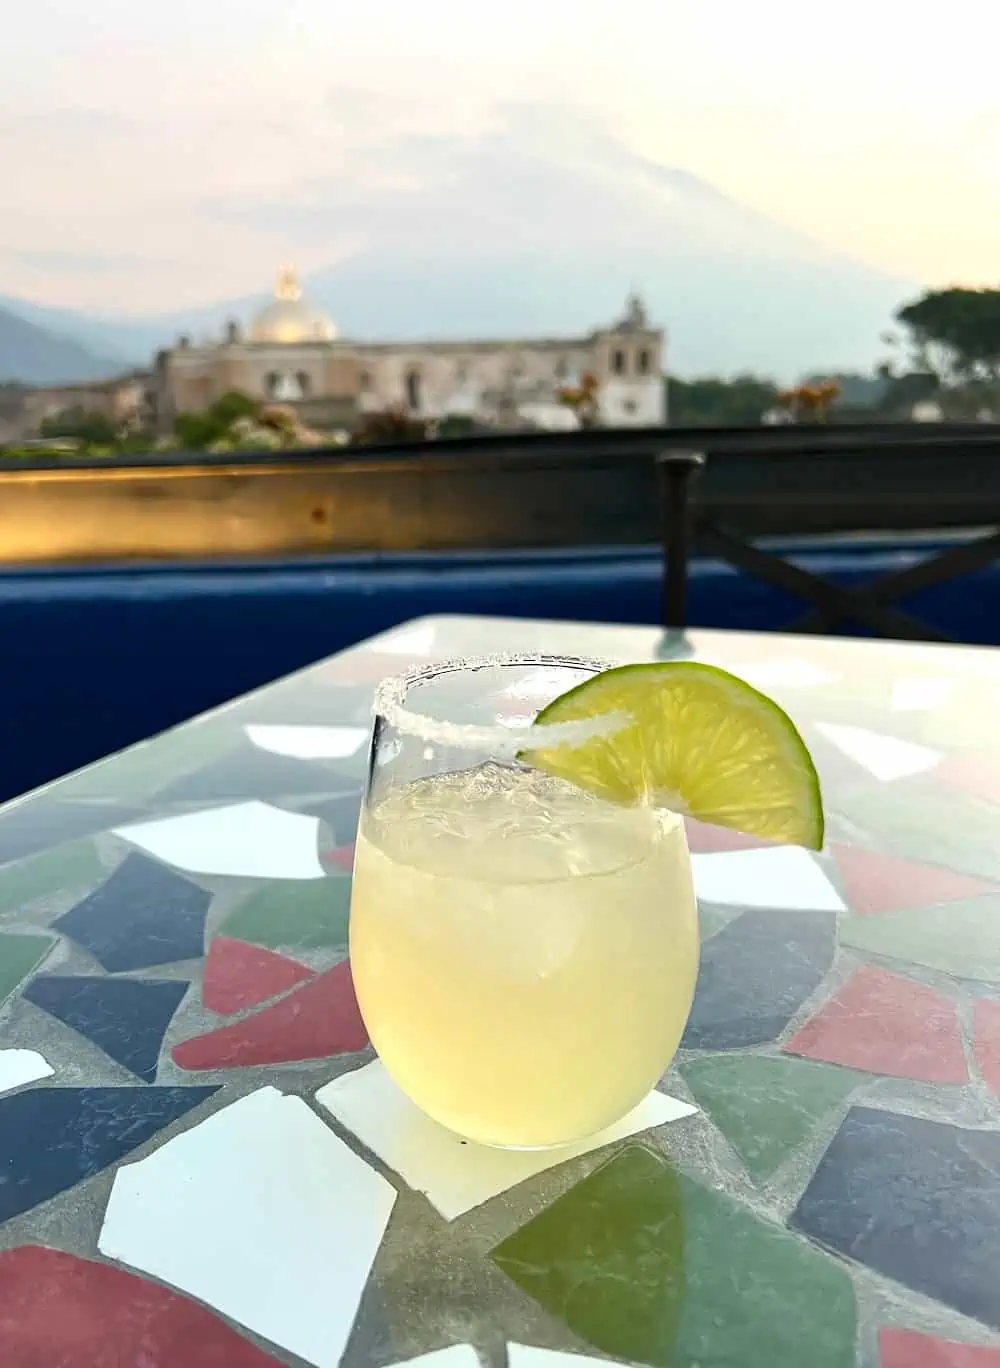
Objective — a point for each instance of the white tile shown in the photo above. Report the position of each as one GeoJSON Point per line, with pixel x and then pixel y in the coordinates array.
{"type": "Point", "coordinates": [886, 757]}
{"type": "Point", "coordinates": [18, 1067]}
{"type": "Point", "coordinates": [410, 641]}
{"type": "Point", "coordinates": [264, 1214]}
{"type": "Point", "coordinates": [309, 743]}
{"type": "Point", "coordinates": [456, 1175]}
{"type": "Point", "coordinates": [529, 1356]}
{"type": "Point", "coordinates": [785, 877]}
{"type": "Point", "coordinates": [244, 840]}
{"type": "Point", "coordinates": [920, 694]}
{"type": "Point", "coordinates": [457, 1356]}
{"type": "Point", "coordinates": [793, 674]}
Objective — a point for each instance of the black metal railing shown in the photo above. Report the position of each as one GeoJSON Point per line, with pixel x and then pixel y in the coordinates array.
{"type": "Point", "coordinates": [943, 483]}
{"type": "Point", "coordinates": [723, 492]}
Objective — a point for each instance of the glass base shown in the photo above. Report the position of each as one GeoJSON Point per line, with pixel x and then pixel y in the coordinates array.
{"type": "Point", "coordinates": [531, 1149]}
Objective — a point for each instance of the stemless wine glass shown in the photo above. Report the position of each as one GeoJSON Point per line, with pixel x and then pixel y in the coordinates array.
{"type": "Point", "coordinates": [524, 953]}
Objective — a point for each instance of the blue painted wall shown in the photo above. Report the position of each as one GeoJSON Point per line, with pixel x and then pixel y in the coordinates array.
{"type": "Point", "coordinates": [94, 660]}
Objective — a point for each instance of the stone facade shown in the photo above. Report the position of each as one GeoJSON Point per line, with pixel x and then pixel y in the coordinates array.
{"type": "Point", "coordinates": [291, 353]}
{"type": "Point", "coordinates": [128, 401]}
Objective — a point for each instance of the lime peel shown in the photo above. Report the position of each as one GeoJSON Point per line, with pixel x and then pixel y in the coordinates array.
{"type": "Point", "coordinates": [694, 739]}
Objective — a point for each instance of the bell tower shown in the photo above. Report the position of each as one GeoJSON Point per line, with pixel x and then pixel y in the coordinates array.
{"type": "Point", "coordinates": [631, 369]}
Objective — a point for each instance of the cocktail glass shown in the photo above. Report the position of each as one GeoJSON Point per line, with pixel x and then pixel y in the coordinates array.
{"type": "Point", "coordinates": [524, 952]}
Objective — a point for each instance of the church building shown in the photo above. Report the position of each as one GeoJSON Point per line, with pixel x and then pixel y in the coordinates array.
{"type": "Point", "coordinates": [291, 353]}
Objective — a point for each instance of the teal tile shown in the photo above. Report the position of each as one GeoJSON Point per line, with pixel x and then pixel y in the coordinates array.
{"type": "Point", "coordinates": [711, 919]}
{"type": "Point", "coordinates": [299, 914]}
{"type": "Point", "coordinates": [766, 1108]}
{"type": "Point", "coordinates": [142, 770]}
{"type": "Point", "coordinates": [960, 938]}
{"type": "Point", "coordinates": [925, 821]}
{"type": "Point", "coordinates": [644, 1264]}
{"type": "Point", "coordinates": [19, 955]}
{"type": "Point", "coordinates": [72, 866]}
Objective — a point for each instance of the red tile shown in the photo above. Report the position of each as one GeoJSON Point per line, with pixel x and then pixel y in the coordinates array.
{"type": "Point", "coordinates": [886, 1024]}
{"type": "Point", "coordinates": [341, 858]}
{"type": "Point", "coordinates": [318, 1021]}
{"type": "Point", "coordinates": [907, 1349]}
{"type": "Point", "coordinates": [706, 839]}
{"type": "Point", "coordinates": [238, 975]}
{"type": "Point", "coordinates": [973, 772]}
{"type": "Point", "coordinates": [58, 1311]}
{"type": "Point", "coordinates": [986, 1036]}
{"type": "Point", "coordinates": [875, 883]}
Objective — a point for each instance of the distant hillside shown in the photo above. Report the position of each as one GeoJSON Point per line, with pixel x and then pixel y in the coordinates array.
{"type": "Point", "coordinates": [542, 225]}
{"type": "Point", "coordinates": [35, 356]}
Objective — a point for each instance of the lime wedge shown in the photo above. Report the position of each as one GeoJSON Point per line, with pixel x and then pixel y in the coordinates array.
{"type": "Point", "coordinates": [697, 740]}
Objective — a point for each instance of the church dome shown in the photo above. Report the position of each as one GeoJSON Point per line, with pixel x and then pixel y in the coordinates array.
{"type": "Point", "coordinates": [290, 318]}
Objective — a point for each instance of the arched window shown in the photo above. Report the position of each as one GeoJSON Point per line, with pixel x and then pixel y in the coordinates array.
{"type": "Point", "coordinates": [561, 368]}
{"type": "Point", "coordinates": [413, 390]}
{"type": "Point", "coordinates": [305, 384]}
{"type": "Point", "coordinates": [365, 381]}
{"type": "Point", "coordinates": [644, 360]}
{"type": "Point", "coordinates": [271, 383]}
{"type": "Point", "coordinates": [618, 362]}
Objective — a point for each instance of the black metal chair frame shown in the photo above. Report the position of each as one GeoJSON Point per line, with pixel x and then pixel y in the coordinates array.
{"type": "Point", "coordinates": [687, 528]}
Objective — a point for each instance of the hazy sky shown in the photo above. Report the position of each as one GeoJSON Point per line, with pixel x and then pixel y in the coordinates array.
{"type": "Point", "coordinates": [144, 146]}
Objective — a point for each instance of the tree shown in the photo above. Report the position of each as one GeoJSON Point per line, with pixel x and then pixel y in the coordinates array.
{"type": "Point", "coordinates": [955, 334]}
{"type": "Point", "coordinates": [90, 429]}
{"type": "Point", "coordinates": [199, 431]}
{"type": "Point", "coordinates": [457, 426]}
{"type": "Point", "coordinates": [394, 424]}
{"type": "Point", "coordinates": [584, 400]}
{"type": "Point", "coordinates": [715, 402]}
{"type": "Point", "coordinates": [810, 403]}
{"type": "Point", "coordinates": [903, 392]}
{"type": "Point", "coordinates": [233, 405]}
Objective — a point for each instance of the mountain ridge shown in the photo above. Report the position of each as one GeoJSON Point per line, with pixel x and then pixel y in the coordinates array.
{"type": "Point", "coordinates": [34, 355]}
{"type": "Point", "coordinates": [541, 226]}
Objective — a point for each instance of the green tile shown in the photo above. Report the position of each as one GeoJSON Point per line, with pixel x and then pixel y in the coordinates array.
{"type": "Point", "coordinates": [928, 823]}
{"type": "Point", "coordinates": [645, 1264]}
{"type": "Point", "coordinates": [301, 914]}
{"type": "Point", "coordinates": [766, 1108]}
{"type": "Point", "coordinates": [144, 769]}
{"type": "Point", "coordinates": [18, 956]}
{"type": "Point", "coordinates": [712, 919]}
{"type": "Point", "coordinates": [74, 865]}
{"type": "Point", "coordinates": [960, 938]}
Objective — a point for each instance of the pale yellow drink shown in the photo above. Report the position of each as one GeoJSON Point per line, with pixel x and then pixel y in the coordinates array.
{"type": "Point", "coordinates": [524, 953]}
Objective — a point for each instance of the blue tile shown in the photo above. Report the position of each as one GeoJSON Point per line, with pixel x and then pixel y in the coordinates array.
{"type": "Point", "coordinates": [249, 772]}
{"type": "Point", "coordinates": [339, 815]}
{"type": "Point", "coordinates": [755, 974]}
{"type": "Point", "coordinates": [53, 1138]}
{"type": "Point", "coordinates": [143, 914]}
{"type": "Point", "coordinates": [44, 822]}
{"type": "Point", "coordinates": [126, 1018]}
{"type": "Point", "coordinates": [916, 1200]}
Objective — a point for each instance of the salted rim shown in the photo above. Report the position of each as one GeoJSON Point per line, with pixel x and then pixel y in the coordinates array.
{"type": "Point", "coordinates": [390, 705]}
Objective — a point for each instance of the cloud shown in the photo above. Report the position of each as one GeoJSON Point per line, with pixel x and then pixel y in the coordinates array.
{"type": "Point", "coordinates": [86, 263]}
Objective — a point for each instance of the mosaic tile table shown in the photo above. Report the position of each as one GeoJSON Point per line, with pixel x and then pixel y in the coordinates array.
{"type": "Point", "coordinates": [202, 1167]}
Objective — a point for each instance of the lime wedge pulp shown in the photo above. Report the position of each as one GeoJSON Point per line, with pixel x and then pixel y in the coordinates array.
{"type": "Point", "coordinates": [695, 739]}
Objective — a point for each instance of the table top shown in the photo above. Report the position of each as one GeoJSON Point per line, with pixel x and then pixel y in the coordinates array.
{"type": "Point", "coordinates": [201, 1164]}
